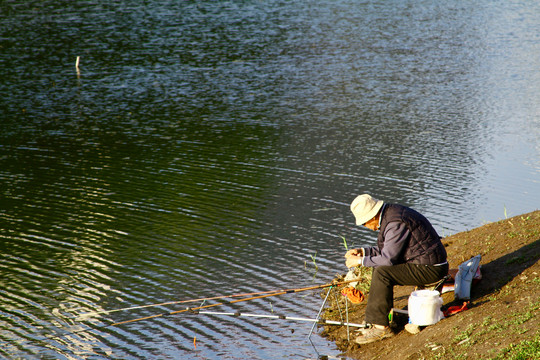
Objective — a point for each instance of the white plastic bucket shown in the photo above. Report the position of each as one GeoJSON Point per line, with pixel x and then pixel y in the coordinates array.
{"type": "Point", "coordinates": [425, 307]}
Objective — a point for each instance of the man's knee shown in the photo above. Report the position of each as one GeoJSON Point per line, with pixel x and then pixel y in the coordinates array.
{"type": "Point", "coordinates": [381, 274]}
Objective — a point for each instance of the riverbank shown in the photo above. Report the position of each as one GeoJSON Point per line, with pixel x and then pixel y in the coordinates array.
{"type": "Point", "coordinates": [500, 322]}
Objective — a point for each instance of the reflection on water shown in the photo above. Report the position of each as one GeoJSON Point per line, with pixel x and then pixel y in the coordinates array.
{"type": "Point", "coordinates": [213, 148]}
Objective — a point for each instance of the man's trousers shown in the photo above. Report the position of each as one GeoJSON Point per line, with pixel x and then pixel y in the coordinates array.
{"type": "Point", "coordinates": [381, 293]}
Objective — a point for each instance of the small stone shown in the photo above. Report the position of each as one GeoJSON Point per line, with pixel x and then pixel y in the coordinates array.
{"type": "Point", "coordinates": [413, 329]}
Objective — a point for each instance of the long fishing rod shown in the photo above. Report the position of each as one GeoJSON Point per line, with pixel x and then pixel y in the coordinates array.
{"type": "Point", "coordinates": [265, 294]}
{"type": "Point", "coordinates": [282, 317]}
{"type": "Point", "coordinates": [277, 292]}
{"type": "Point", "coordinates": [287, 291]}
{"type": "Point", "coordinates": [160, 315]}
{"type": "Point", "coordinates": [69, 333]}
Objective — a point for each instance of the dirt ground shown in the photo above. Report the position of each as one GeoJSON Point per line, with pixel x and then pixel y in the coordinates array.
{"type": "Point", "coordinates": [502, 308]}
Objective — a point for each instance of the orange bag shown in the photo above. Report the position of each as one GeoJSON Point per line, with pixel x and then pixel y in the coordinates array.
{"type": "Point", "coordinates": [354, 295]}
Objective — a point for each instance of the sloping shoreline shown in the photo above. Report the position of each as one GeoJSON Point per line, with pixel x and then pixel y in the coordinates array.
{"type": "Point", "coordinates": [501, 310]}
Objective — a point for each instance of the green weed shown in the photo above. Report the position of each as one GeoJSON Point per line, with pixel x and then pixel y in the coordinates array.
{"type": "Point", "coordinates": [345, 243]}
{"type": "Point", "coordinates": [527, 349]}
{"type": "Point", "coordinates": [464, 335]}
{"type": "Point", "coordinates": [487, 321]}
{"type": "Point", "coordinates": [313, 257]}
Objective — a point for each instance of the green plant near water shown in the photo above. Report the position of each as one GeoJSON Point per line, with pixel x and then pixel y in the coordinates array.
{"type": "Point", "coordinates": [345, 243]}
{"type": "Point", "coordinates": [313, 258]}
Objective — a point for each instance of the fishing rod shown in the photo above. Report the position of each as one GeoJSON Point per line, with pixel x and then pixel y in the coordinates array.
{"type": "Point", "coordinates": [276, 292]}
{"type": "Point", "coordinates": [159, 315]}
{"type": "Point", "coordinates": [282, 317]}
{"type": "Point", "coordinates": [279, 292]}
{"type": "Point", "coordinates": [194, 310]}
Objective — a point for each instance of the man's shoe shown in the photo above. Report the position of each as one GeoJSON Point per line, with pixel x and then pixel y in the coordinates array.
{"type": "Point", "coordinates": [365, 328]}
{"type": "Point", "coordinates": [373, 334]}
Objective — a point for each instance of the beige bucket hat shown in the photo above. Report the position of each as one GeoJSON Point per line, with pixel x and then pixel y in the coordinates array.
{"type": "Point", "coordinates": [364, 208]}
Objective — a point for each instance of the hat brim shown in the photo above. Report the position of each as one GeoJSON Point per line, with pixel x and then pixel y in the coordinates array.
{"type": "Point", "coordinates": [371, 214]}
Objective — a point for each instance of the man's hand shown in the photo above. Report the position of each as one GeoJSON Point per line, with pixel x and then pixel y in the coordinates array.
{"type": "Point", "coordinates": [353, 261]}
{"type": "Point", "coordinates": [354, 257]}
{"type": "Point", "coordinates": [354, 252]}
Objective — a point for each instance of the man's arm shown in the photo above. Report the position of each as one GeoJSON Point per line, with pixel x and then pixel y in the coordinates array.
{"type": "Point", "coordinates": [396, 236]}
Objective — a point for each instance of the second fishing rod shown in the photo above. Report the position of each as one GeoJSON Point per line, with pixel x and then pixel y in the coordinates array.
{"type": "Point", "coordinates": [224, 298]}
{"type": "Point", "coordinates": [263, 295]}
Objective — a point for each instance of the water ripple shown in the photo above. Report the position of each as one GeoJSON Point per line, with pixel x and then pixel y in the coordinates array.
{"type": "Point", "coordinates": [207, 149]}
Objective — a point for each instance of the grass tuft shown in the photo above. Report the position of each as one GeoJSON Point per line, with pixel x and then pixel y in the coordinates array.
{"type": "Point", "coordinates": [525, 350]}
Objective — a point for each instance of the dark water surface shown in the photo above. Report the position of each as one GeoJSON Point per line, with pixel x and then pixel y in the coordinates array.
{"type": "Point", "coordinates": [208, 148]}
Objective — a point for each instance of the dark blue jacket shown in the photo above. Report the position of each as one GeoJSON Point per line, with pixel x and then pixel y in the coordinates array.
{"type": "Point", "coordinates": [423, 245]}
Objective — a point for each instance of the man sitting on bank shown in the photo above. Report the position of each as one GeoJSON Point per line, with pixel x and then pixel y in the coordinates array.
{"type": "Point", "coordinates": [409, 252]}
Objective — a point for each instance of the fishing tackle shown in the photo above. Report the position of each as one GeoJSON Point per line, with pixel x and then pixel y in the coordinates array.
{"type": "Point", "coordinates": [262, 294]}
{"type": "Point", "coordinates": [282, 317]}
{"type": "Point", "coordinates": [222, 297]}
